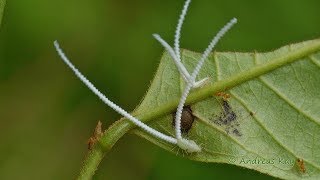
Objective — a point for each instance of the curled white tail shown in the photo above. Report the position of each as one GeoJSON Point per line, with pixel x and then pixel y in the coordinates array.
{"type": "Point", "coordinates": [110, 103]}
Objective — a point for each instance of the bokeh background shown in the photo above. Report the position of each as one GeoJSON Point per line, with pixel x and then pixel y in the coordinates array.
{"type": "Point", "coordinates": [47, 114]}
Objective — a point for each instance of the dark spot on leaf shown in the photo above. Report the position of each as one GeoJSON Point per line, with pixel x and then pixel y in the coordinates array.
{"type": "Point", "coordinates": [226, 106]}
{"type": "Point", "coordinates": [236, 132]}
{"type": "Point", "coordinates": [228, 119]}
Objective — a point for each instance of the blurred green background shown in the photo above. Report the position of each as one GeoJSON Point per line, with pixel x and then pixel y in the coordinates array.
{"type": "Point", "coordinates": [47, 114]}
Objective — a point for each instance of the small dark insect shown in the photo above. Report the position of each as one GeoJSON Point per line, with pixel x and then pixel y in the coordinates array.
{"type": "Point", "coordinates": [251, 113]}
{"type": "Point", "coordinates": [187, 119]}
{"type": "Point", "coordinates": [301, 166]}
{"type": "Point", "coordinates": [96, 135]}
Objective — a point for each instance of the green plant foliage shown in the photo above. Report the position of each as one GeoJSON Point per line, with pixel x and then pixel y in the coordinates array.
{"type": "Point", "coordinates": [2, 4]}
{"type": "Point", "coordinates": [267, 124]}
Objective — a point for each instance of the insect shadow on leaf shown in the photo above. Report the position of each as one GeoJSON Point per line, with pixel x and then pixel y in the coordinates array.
{"type": "Point", "coordinates": [228, 118]}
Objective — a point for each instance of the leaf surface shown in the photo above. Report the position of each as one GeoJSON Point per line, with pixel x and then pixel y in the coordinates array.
{"type": "Point", "coordinates": [276, 117]}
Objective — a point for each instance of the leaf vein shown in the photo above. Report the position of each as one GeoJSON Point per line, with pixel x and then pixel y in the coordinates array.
{"type": "Point", "coordinates": [314, 61]}
{"type": "Point", "coordinates": [202, 119]}
{"type": "Point", "coordinates": [287, 100]}
{"type": "Point", "coordinates": [271, 135]}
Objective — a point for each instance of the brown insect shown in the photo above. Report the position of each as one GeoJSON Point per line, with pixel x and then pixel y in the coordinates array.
{"type": "Point", "coordinates": [96, 135]}
{"type": "Point", "coordinates": [301, 166]}
{"type": "Point", "coordinates": [187, 119]}
{"type": "Point", "coordinates": [224, 95]}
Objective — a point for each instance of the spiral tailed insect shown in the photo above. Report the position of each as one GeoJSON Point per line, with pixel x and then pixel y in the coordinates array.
{"type": "Point", "coordinates": [191, 83]}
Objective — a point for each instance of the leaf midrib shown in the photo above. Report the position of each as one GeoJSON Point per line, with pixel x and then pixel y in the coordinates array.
{"type": "Point", "coordinates": [282, 96]}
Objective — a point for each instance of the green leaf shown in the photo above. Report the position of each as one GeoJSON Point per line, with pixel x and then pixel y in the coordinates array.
{"type": "Point", "coordinates": [277, 114]}
{"type": "Point", "coordinates": [275, 98]}
{"type": "Point", "coordinates": [2, 4]}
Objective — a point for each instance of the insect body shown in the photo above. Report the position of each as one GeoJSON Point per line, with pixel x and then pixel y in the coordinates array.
{"type": "Point", "coordinates": [187, 119]}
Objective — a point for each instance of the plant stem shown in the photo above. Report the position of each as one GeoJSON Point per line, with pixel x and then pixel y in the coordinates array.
{"type": "Point", "coordinates": [121, 127]}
